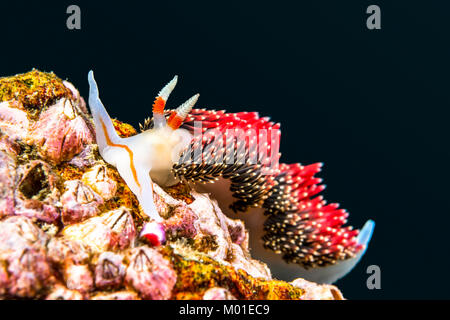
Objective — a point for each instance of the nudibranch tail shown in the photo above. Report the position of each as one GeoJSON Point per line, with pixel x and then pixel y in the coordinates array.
{"type": "Point", "coordinates": [179, 115]}
{"type": "Point", "coordinates": [160, 103]}
{"type": "Point", "coordinates": [341, 268]}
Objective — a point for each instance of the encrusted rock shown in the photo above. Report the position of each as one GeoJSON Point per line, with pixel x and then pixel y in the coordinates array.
{"type": "Point", "coordinates": [34, 89]}
{"type": "Point", "coordinates": [150, 274]}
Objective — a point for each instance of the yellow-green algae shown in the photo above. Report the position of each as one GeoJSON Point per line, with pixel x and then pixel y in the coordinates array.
{"type": "Point", "coordinates": [33, 89]}
{"type": "Point", "coordinates": [36, 90]}
{"type": "Point", "coordinates": [196, 276]}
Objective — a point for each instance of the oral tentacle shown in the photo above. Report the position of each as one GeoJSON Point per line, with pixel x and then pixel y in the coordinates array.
{"type": "Point", "coordinates": [160, 103]}
{"type": "Point", "coordinates": [179, 115]}
{"type": "Point", "coordinates": [104, 129]}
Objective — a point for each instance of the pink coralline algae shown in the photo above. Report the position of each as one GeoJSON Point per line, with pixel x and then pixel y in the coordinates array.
{"type": "Point", "coordinates": [79, 202]}
{"type": "Point", "coordinates": [61, 132]}
{"type": "Point", "coordinates": [150, 274]}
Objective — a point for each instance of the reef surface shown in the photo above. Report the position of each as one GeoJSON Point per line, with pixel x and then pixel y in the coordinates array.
{"type": "Point", "coordinates": [69, 225]}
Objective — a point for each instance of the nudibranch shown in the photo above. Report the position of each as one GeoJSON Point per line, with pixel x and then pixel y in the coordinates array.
{"type": "Point", "coordinates": [216, 151]}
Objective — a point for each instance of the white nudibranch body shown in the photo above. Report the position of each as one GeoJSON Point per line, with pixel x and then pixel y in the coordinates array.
{"type": "Point", "coordinates": [148, 155]}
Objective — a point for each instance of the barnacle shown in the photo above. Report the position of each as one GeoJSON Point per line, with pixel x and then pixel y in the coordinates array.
{"type": "Point", "coordinates": [239, 152]}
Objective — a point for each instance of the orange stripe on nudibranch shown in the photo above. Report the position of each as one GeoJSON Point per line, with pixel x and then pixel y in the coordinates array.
{"type": "Point", "coordinates": [158, 105]}
{"type": "Point", "coordinates": [130, 153]}
{"type": "Point", "coordinates": [174, 121]}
